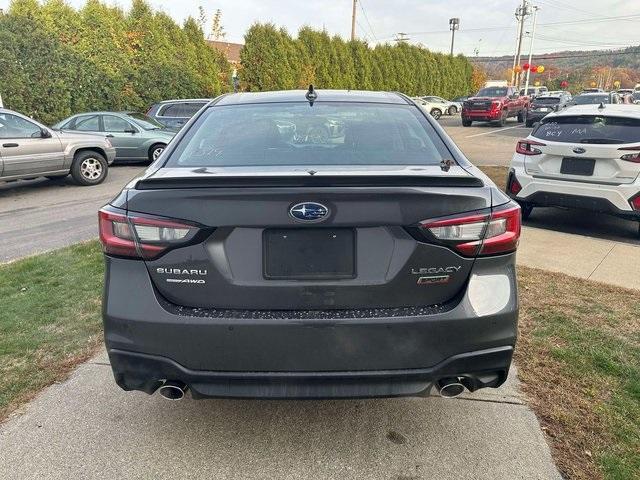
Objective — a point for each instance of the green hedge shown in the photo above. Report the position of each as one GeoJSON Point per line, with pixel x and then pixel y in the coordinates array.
{"type": "Point", "coordinates": [273, 60]}
{"type": "Point", "coordinates": [56, 61]}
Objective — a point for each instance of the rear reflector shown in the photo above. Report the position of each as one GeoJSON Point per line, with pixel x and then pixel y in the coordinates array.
{"type": "Point", "coordinates": [514, 185]}
{"type": "Point", "coordinates": [527, 147]}
{"type": "Point", "coordinates": [635, 202]}
{"type": "Point", "coordinates": [631, 157]}
{"type": "Point", "coordinates": [481, 234]}
{"type": "Point", "coordinates": [141, 237]}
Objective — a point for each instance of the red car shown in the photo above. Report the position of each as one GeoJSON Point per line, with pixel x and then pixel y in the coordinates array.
{"type": "Point", "coordinates": [494, 104]}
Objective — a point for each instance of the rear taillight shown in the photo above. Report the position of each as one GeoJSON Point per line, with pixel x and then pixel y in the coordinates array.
{"type": "Point", "coordinates": [635, 202]}
{"type": "Point", "coordinates": [481, 234]}
{"type": "Point", "coordinates": [631, 157]}
{"type": "Point", "coordinates": [141, 237]}
{"type": "Point", "coordinates": [527, 147]}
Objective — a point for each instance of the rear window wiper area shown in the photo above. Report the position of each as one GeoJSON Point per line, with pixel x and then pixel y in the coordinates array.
{"type": "Point", "coordinates": [602, 140]}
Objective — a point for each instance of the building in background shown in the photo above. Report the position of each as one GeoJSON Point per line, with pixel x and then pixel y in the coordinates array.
{"type": "Point", "coordinates": [230, 50]}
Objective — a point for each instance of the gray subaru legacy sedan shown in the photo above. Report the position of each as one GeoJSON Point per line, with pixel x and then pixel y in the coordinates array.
{"type": "Point", "coordinates": [310, 244]}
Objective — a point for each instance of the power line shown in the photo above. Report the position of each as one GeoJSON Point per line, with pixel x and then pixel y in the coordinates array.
{"type": "Point", "coordinates": [363, 31]}
{"type": "Point", "coordinates": [580, 43]}
{"type": "Point", "coordinates": [367, 20]}
{"type": "Point", "coordinates": [593, 20]}
{"type": "Point", "coordinates": [571, 8]}
{"type": "Point", "coordinates": [488, 29]}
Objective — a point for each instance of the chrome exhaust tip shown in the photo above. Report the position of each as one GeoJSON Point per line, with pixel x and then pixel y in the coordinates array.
{"type": "Point", "coordinates": [173, 390]}
{"type": "Point", "coordinates": [450, 387]}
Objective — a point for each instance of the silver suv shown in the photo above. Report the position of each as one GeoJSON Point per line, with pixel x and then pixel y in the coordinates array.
{"type": "Point", "coordinates": [28, 149]}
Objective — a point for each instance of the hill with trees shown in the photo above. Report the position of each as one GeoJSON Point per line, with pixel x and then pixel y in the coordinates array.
{"type": "Point", "coordinates": [579, 68]}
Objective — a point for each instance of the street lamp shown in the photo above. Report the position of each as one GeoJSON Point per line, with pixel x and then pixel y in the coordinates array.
{"type": "Point", "coordinates": [454, 24]}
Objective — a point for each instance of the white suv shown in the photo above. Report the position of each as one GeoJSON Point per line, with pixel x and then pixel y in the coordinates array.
{"type": "Point", "coordinates": [585, 157]}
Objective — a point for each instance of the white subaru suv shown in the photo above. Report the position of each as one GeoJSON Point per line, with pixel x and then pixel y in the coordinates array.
{"type": "Point", "coordinates": [585, 157]}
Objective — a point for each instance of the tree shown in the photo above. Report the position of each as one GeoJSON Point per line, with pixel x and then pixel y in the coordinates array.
{"type": "Point", "coordinates": [478, 78]}
{"type": "Point", "coordinates": [217, 30]}
{"type": "Point", "coordinates": [56, 61]}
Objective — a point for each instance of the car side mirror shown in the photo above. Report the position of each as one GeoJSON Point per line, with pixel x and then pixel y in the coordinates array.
{"type": "Point", "coordinates": [44, 133]}
{"type": "Point", "coordinates": [130, 130]}
{"type": "Point", "coordinates": [556, 108]}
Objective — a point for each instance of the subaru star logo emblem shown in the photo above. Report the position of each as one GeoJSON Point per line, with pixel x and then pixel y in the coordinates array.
{"type": "Point", "coordinates": [579, 150]}
{"type": "Point", "coordinates": [309, 212]}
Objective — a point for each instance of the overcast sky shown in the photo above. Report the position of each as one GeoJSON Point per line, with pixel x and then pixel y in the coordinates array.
{"type": "Point", "coordinates": [487, 27]}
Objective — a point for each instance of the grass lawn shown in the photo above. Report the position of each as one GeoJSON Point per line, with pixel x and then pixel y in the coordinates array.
{"type": "Point", "coordinates": [579, 360]}
{"type": "Point", "coordinates": [49, 320]}
{"type": "Point", "coordinates": [498, 174]}
{"type": "Point", "coordinates": [578, 354]}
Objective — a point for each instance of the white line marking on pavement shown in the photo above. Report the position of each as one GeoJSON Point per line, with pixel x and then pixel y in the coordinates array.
{"type": "Point", "coordinates": [493, 131]}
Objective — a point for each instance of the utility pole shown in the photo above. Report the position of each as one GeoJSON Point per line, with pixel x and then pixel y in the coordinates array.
{"type": "Point", "coordinates": [353, 21]}
{"type": "Point", "coordinates": [454, 24]}
{"type": "Point", "coordinates": [533, 34]}
{"type": "Point", "coordinates": [401, 37]}
{"type": "Point", "coordinates": [521, 12]}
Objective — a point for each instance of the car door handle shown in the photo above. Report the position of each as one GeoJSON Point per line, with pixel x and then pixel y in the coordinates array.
{"type": "Point", "coordinates": [109, 135]}
{"type": "Point", "coordinates": [10, 145]}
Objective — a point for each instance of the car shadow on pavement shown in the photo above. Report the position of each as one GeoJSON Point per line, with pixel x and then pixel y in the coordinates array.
{"type": "Point", "coordinates": [590, 224]}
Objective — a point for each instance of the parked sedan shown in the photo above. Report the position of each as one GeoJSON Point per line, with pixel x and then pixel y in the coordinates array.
{"type": "Point", "coordinates": [135, 136]}
{"type": "Point", "coordinates": [173, 114]}
{"type": "Point", "coordinates": [542, 106]}
{"type": "Point", "coordinates": [377, 262]}
{"type": "Point", "coordinates": [28, 149]}
{"type": "Point", "coordinates": [585, 157]}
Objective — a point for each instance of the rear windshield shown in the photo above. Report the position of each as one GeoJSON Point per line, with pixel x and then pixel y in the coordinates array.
{"type": "Point", "coordinates": [546, 101]}
{"type": "Point", "coordinates": [591, 99]}
{"type": "Point", "coordinates": [493, 92]}
{"type": "Point", "coordinates": [589, 129]}
{"type": "Point", "coordinates": [275, 134]}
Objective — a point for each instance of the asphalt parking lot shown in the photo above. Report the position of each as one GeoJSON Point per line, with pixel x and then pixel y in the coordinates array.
{"type": "Point", "coordinates": [42, 214]}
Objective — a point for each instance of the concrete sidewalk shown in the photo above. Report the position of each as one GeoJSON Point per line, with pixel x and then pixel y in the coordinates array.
{"type": "Point", "coordinates": [595, 259]}
{"type": "Point", "coordinates": [86, 427]}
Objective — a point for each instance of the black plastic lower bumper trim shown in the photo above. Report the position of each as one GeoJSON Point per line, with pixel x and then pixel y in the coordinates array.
{"type": "Point", "coordinates": [480, 369]}
{"type": "Point", "coordinates": [593, 204]}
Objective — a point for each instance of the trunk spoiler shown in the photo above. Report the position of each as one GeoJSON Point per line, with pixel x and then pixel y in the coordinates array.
{"type": "Point", "coordinates": [152, 183]}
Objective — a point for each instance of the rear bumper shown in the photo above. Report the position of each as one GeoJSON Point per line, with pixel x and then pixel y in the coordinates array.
{"type": "Point", "coordinates": [229, 354]}
{"type": "Point", "coordinates": [534, 116]}
{"type": "Point", "coordinates": [611, 199]}
{"type": "Point", "coordinates": [136, 371]}
{"type": "Point", "coordinates": [482, 116]}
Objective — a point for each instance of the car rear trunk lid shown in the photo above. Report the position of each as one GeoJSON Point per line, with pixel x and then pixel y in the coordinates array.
{"type": "Point", "coordinates": [257, 256]}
